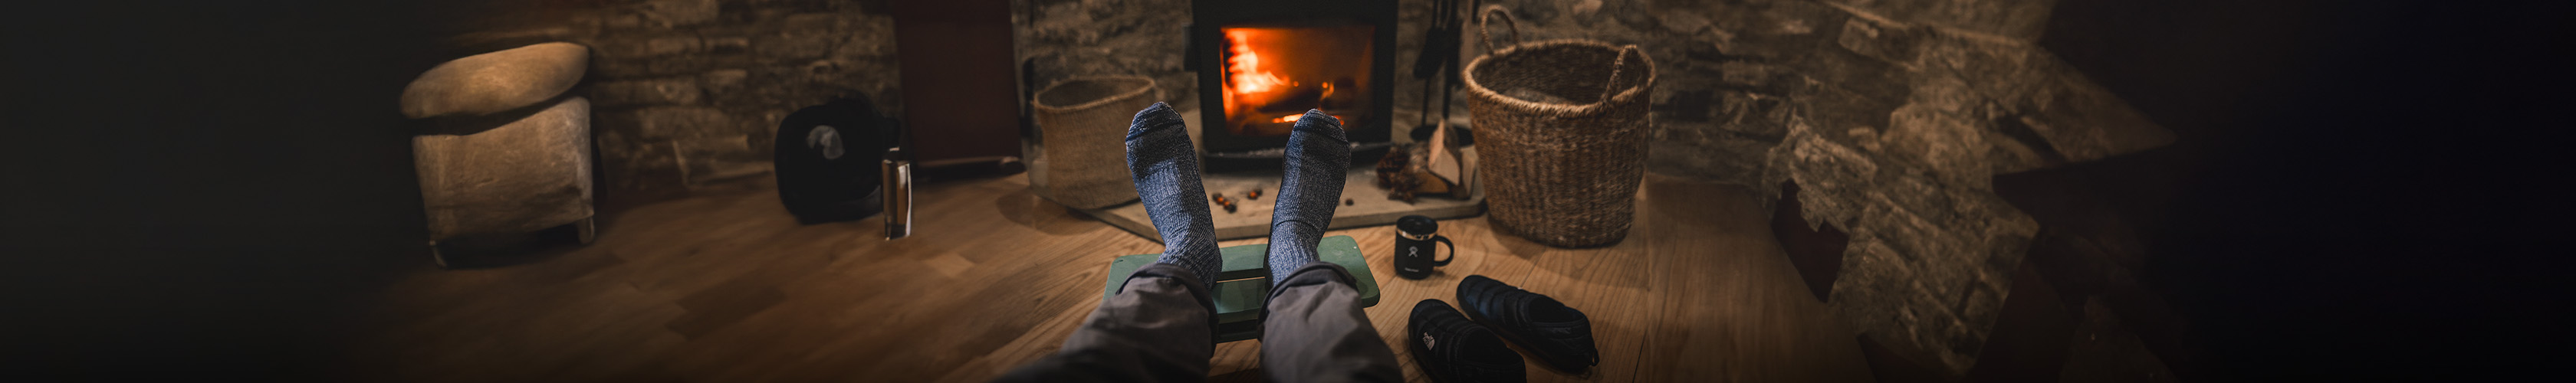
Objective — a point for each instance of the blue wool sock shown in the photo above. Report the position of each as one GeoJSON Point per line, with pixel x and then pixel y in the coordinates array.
{"type": "Point", "coordinates": [1166, 170]}
{"type": "Point", "coordinates": [1318, 155]}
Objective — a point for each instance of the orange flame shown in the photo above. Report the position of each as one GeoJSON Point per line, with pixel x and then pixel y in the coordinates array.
{"type": "Point", "coordinates": [1294, 117]}
{"type": "Point", "coordinates": [1250, 84]}
{"type": "Point", "coordinates": [1246, 66]}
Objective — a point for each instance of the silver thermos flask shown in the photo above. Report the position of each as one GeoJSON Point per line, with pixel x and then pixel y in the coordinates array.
{"type": "Point", "coordinates": [898, 193]}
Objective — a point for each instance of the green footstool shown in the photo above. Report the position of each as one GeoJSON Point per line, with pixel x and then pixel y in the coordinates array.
{"type": "Point", "coordinates": [1244, 282]}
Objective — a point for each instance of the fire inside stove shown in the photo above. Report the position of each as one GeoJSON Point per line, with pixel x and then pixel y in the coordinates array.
{"type": "Point", "coordinates": [1274, 74]}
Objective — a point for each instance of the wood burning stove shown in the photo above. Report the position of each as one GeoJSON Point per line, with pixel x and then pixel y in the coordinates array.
{"type": "Point", "coordinates": [1262, 63]}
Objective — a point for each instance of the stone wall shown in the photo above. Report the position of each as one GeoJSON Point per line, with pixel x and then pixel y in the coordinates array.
{"type": "Point", "coordinates": [690, 90]}
{"type": "Point", "coordinates": [687, 93]}
{"type": "Point", "coordinates": [1063, 39]}
{"type": "Point", "coordinates": [1891, 116]}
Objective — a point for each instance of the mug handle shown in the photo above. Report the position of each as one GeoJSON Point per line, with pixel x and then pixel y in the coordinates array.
{"type": "Point", "coordinates": [1453, 250]}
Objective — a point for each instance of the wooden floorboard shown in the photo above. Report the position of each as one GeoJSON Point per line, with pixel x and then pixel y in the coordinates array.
{"type": "Point", "coordinates": [730, 289]}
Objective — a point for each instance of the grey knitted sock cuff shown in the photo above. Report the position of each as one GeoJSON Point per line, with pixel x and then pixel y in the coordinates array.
{"type": "Point", "coordinates": [1166, 170]}
{"type": "Point", "coordinates": [1318, 157]}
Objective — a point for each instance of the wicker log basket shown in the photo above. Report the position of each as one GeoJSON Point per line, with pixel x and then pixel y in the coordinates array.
{"type": "Point", "coordinates": [1084, 126]}
{"type": "Point", "coordinates": [1563, 128]}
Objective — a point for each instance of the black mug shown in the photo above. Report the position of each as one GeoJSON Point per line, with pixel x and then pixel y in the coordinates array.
{"type": "Point", "coordinates": [1413, 251]}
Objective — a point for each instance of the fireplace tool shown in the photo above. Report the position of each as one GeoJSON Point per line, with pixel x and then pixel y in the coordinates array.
{"type": "Point", "coordinates": [1439, 60]}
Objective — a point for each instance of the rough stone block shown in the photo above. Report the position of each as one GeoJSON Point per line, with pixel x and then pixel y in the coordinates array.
{"type": "Point", "coordinates": [619, 21]}
{"type": "Point", "coordinates": [1757, 77]}
{"type": "Point", "coordinates": [675, 13]}
{"type": "Point", "coordinates": [1949, 95]}
{"type": "Point", "coordinates": [1870, 270]}
{"type": "Point", "coordinates": [1997, 68]}
{"type": "Point", "coordinates": [1860, 76]}
{"type": "Point", "coordinates": [1935, 139]}
{"type": "Point", "coordinates": [815, 22]}
{"type": "Point", "coordinates": [1756, 116]}
{"type": "Point", "coordinates": [623, 68]}
{"type": "Point", "coordinates": [858, 48]}
{"type": "Point", "coordinates": [1880, 39]}
{"type": "Point", "coordinates": [664, 122]}
{"type": "Point", "coordinates": [725, 45]}
{"type": "Point", "coordinates": [671, 46]}
{"type": "Point", "coordinates": [1777, 31]}
{"type": "Point", "coordinates": [796, 45]}
{"type": "Point", "coordinates": [713, 160]}
{"type": "Point", "coordinates": [723, 81]}
{"type": "Point", "coordinates": [1835, 109]}
{"type": "Point", "coordinates": [661, 91]}
{"type": "Point", "coordinates": [637, 164]}
{"type": "Point", "coordinates": [1833, 173]}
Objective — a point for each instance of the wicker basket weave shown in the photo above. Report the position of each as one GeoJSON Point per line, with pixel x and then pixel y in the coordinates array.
{"type": "Point", "coordinates": [1084, 123]}
{"type": "Point", "coordinates": [1563, 129]}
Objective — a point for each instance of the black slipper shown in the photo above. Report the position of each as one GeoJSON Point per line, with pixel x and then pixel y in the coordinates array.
{"type": "Point", "coordinates": [1453, 349]}
{"type": "Point", "coordinates": [1558, 335]}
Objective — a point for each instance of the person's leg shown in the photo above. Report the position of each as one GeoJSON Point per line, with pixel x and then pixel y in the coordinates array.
{"type": "Point", "coordinates": [1314, 330]}
{"type": "Point", "coordinates": [1157, 329]}
{"type": "Point", "coordinates": [1161, 327]}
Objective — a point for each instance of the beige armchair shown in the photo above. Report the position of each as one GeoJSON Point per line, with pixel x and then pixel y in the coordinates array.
{"type": "Point", "coordinates": [509, 152]}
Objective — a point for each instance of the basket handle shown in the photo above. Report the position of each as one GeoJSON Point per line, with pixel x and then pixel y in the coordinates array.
{"type": "Point", "coordinates": [1487, 17]}
{"type": "Point", "coordinates": [1617, 68]}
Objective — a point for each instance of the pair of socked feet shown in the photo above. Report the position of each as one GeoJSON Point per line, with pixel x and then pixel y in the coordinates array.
{"type": "Point", "coordinates": [1166, 169]}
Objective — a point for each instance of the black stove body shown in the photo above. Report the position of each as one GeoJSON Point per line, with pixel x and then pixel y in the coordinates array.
{"type": "Point", "coordinates": [1263, 62]}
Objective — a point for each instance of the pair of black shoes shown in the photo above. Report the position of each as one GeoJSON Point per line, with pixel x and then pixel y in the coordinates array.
{"type": "Point", "coordinates": [1469, 347]}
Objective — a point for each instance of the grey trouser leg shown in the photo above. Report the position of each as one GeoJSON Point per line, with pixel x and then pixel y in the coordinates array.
{"type": "Point", "coordinates": [1315, 331]}
{"type": "Point", "coordinates": [1161, 327]}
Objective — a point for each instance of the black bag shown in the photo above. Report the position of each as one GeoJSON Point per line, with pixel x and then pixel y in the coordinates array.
{"type": "Point", "coordinates": [827, 160]}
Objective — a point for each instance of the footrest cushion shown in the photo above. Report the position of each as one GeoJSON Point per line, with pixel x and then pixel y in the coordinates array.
{"type": "Point", "coordinates": [1244, 282]}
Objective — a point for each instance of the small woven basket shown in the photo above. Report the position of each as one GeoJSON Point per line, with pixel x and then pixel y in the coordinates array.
{"type": "Point", "coordinates": [1084, 123]}
{"type": "Point", "coordinates": [1563, 126]}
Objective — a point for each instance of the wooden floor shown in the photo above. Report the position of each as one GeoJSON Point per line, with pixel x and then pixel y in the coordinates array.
{"type": "Point", "coordinates": [731, 289]}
